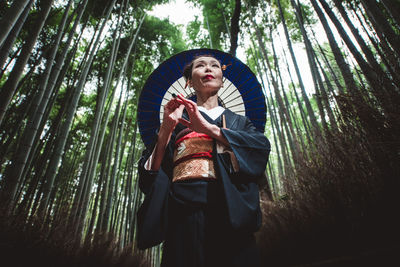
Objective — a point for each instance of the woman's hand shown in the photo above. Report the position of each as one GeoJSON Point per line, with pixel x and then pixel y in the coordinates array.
{"type": "Point", "coordinates": [172, 113]}
{"type": "Point", "coordinates": [197, 122]}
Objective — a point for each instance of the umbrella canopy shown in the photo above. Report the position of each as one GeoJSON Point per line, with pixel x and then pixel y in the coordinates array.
{"type": "Point", "coordinates": [241, 93]}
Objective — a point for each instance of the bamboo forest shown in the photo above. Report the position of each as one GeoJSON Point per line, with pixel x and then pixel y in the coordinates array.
{"type": "Point", "coordinates": [71, 73]}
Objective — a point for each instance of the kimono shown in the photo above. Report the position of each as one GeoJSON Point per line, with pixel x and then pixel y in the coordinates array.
{"type": "Point", "coordinates": [206, 222]}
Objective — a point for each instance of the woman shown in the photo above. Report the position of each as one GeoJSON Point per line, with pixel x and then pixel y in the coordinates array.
{"type": "Point", "coordinates": [200, 178]}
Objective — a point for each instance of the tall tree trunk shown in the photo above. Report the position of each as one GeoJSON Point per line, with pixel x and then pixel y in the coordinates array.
{"type": "Point", "coordinates": [114, 197]}
{"type": "Point", "coordinates": [124, 177]}
{"type": "Point", "coordinates": [10, 183]}
{"type": "Point", "coordinates": [261, 77]}
{"type": "Point", "coordinates": [381, 24]}
{"type": "Point", "coordinates": [12, 36]}
{"type": "Point", "coordinates": [104, 170]}
{"type": "Point", "coordinates": [16, 168]}
{"type": "Point", "coordinates": [134, 183]}
{"type": "Point", "coordinates": [305, 122]}
{"type": "Point", "coordinates": [128, 164]}
{"type": "Point", "coordinates": [9, 88]}
{"type": "Point", "coordinates": [382, 49]}
{"type": "Point", "coordinates": [110, 189]}
{"type": "Point", "coordinates": [375, 81]}
{"type": "Point", "coordinates": [342, 64]}
{"type": "Point", "coordinates": [235, 27]}
{"type": "Point", "coordinates": [12, 14]}
{"type": "Point", "coordinates": [310, 111]}
{"type": "Point", "coordinates": [332, 72]}
{"type": "Point", "coordinates": [89, 161]}
{"type": "Point", "coordinates": [389, 98]}
{"type": "Point", "coordinates": [364, 47]}
{"type": "Point", "coordinates": [226, 25]}
{"type": "Point", "coordinates": [120, 149]}
{"type": "Point", "coordinates": [379, 36]}
{"type": "Point", "coordinates": [122, 71]}
{"type": "Point", "coordinates": [66, 126]}
{"type": "Point", "coordinates": [274, 117]}
{"type": "Point", "coordinates": [319, 86]}
{"type": "Point", "coordinates": [284, 106]}
{"type": "Point", "coordinates": [393, 7]}
{"type": "Point", "coordinates": [209, 32]}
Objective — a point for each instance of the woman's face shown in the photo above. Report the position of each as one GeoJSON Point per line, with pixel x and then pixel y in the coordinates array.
{"type": "Point", "coordinates": [206, 75]}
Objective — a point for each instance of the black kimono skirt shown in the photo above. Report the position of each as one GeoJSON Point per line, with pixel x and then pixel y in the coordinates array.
{"type": "Point", "coordinates": [206, 222]}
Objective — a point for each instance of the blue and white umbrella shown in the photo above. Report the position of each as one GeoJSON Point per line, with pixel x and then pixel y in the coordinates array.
{"type": "Point", "coordinates": [241, 92]}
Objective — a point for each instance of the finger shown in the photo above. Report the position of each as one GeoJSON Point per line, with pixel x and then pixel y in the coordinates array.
{"type": "Point", "coordinates": [180, 101]}
{"type": "Point", "coordinates": [186, 104]}
{"type": "Point", "coordinates": [170, 104]}
{"type": "Point", "coordinates": [180, 97]}
{"type": "Point", "coordinates": [173, 104]}
{"type": "Point", "coordinates": [190, 105]}
{"type": "Point", "coordinates": [188, 101]}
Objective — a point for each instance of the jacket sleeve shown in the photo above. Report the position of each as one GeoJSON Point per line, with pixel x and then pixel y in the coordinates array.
{"type": "Point", "coordinates": [152, 214]}
{"type": "Point", "coordinates": [148, 177]}
{"type": "Point", "coordinates": [251, 148]}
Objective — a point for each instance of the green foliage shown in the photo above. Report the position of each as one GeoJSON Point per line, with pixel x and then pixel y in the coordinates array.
{"type": "Point", "coordinates": [274, 19]}
{"type": "Point", "coordinates": [161, 37]}
{"type": "Point", "coordinates": [96, 8]}
{"type": "Point", "coordinates": [254, 3]}
{"type": "Point", "coordinates": [145, 4]}
{"type": "Point", "coordinates": [327, 51]}
{"type": "Point", "coordinates": [197, 37]}
{"type": "Point", "coordinates": [51, 27]}
{"type": "Point", "coordinates": [251, 60]}
{"type": "Point", "coordinates": [290, 19]}
{"type": "Point", "coordinates": [308, 14]}
{"type": "Point", "coordinates": [58, 102]}
{"type": "Point", "coordinates": [218, 14]}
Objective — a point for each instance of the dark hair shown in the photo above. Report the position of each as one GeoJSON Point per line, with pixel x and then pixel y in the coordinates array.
{"type": "Point", "coordinates": [187, 70]}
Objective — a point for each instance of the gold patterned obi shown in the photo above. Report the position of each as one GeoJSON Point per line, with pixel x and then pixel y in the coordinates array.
{"type": "Point", "coordinates": [193, 157]}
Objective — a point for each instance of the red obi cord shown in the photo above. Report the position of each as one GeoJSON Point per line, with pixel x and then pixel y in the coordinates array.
{"type": "Point", "coordinates": [192, 135]}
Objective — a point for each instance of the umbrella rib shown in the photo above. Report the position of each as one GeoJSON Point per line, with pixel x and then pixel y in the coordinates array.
{"type": "Point", "coordinates": [237, 97]}
{"type": "Point", "coordinates": [235, 105]}
{"type": "Point", "coordinates": [225, 89]}
{"type": "Point", "coordinates": [152, 92]}
{"type": "Point", "coordinates": [176, 90]}
{"type": "Point", "coordinates": [237, 111]}
{"type": "Point", "coordinates": [256, 98]}
{"type": "Point", "coordinates": [237, 75]}
{"type": "Point", "coordinates": [184, 89]}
